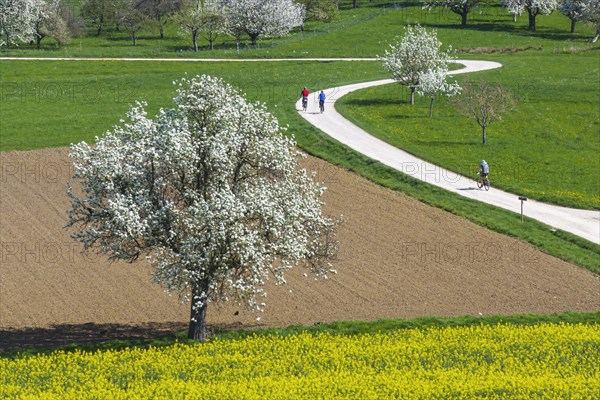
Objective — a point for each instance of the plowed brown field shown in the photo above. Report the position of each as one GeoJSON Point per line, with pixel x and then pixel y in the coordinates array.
{"type": "Point", "coordinates": [398, 258]}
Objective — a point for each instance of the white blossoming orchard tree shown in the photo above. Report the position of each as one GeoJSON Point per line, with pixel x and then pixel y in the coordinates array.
{"type": "Point", "coordinates": [575, 10]}
{"type": "Point", "coordinates": [434, 83]}
{"type": "Point", "coordinates": [533, 8]}
{"type": "Point", "coordinates": [17, 19]}
{"type": "Point", "coordinates": [460, 7]}
{"type": "Point", "coordinates": [592, 17]}
{"type": "Point", "coordinates": [202, 16]}
{"type": "Point", "coordinates": [263, 17]}
{"type": "Point", "coordinates": [418, 53]}
{"type": "Point", "coordinates": [209, 191]}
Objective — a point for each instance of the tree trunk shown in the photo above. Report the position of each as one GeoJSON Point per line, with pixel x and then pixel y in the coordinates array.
{"type": "Point", "coordinates": [483, 133]}
{"type": "Point", "coordinates": [463, 21]}
{"type": "Point", "coordinates": [595, 39]}
{"type": "Point", "coordinates": [197, 328]}
{"type": "Point", "coordinates": [412, 95]}
{"type": "Point", "coordinates": [514, 15]}
{"type": "Point", "coordinates": [134, 38]}
{"type": "Point", "coordinates": [431, 107]}
{"type": "Point", "coordinates": [210, 43]}
{"type": "Point", "coordinates": [195, 39]}
{"type": "Point", "coordinates": [573, 22]}
{"type": "Point", "coordinates": [38, 40]}
{"type": "Point", "coordinates": [531, 20]}
{"type": "Point", "coordinates": [161, 28]}
{"type": "Point", "coordinates": [253, 37]}
{"type": "Point", "coordinates": [355, 3]}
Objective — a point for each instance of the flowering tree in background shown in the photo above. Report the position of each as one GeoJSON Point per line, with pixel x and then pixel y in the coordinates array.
{"type": "Point", "coordinates": [49, 22]}
{"type": "Point", "coordinates": [320, 10]}
{"type": "Point", "coordinates": [199, 16]}
{"type": "Point", "coordinates": [575, 10]}
{"type": "Point", "coordinates": [533, 8]}
{"type": "Point", "coordinates": [209, 191]}
{"type": "Point", "coordinates": [460, 7]}
{"type": "Point", "coordinates": [263, 17]}
{"type": "Point", "coordinates": [592, 17]}
{"type": "Point", "coordinates": [434, 83]}
{"type": "Point", "coordinates": [416, 56]}
{"type": "Point", "coordinates": [17, 18]}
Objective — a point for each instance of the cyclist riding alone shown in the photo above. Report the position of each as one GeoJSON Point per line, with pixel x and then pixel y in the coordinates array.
{"type": "Point", "coordinates": [304, 93]}
{"type": "Point", "coordinates": [322, 101]}
{"type": "Point", "coordinates": [484, 169]}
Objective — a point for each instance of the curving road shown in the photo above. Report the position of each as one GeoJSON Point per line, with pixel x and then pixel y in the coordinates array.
{"type": "Point", "coordinates": [584, 223]}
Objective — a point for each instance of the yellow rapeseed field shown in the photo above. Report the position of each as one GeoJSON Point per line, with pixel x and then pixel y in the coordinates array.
{"type": "Point", "coordinates": [487, 361]}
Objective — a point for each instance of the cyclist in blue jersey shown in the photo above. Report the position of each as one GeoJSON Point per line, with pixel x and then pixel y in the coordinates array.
{"type": "Point", "coordinates": [322, 101]}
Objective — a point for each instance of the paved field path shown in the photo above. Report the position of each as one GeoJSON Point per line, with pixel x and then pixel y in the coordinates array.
{"type": "Point", "coordinates": [583, 223]}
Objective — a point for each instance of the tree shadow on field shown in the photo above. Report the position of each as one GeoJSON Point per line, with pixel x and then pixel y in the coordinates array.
{"type": "Point", "coordinates": [55, 336]}
{"type": "Point", "coordinates": [14, 340]}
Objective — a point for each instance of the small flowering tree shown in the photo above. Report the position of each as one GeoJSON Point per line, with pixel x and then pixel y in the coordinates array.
{"type": "Point", "coordinates": [533, 8]}
{"type": "Point", "coordinates": [575, 10]}
{"type": "Point", "coordinates": [460, 7]}
{"type": "Point", "coordinates": [263, 17]}
{"type": "Point", "coordinates": [209, 191]}
{"type": "Point", "coordinates": [433, 83]}
{"type": "Point", "coordinates": [416, 56]}
{"type": "Point", "coordinates": [202, 16]}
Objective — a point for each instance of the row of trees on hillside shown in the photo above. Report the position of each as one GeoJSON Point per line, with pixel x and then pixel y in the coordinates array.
{"type": "Point", "coordinates": [26, 20]}
{"type": "Point", "coordinates": [575, 10]}
{"type": "Point", "coordinates": [33, 20]}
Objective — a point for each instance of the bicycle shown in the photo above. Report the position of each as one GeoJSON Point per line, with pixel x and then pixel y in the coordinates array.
{"type": "Point", "coordinates": [483, 182]}
{"type": "Point", "coordinates": [322, 106]}
{"type": "Point", "coordinates": [304, 103]}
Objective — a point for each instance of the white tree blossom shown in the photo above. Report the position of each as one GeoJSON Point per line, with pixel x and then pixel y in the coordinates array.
{"type": "Point", "coordinates": [206, 16]}
{"type": "Point", "coordinates": [533, 8]}
{"type": "Point", "coordinates": [460, 7]}
{"type": "Point", "coordinates": [17, 18]}
{"type": "Point", "coordinates": [263, 17]}
{"type": "Point", "coordinates": [434, 83]}
{"type": "Point", "coordinates": [48, 21]}
{"type": "Point", "coordinates": [592, 16]}
{"type": "Point", "coordinates": [575, 10]}
{"type": "Point", "coordinates": [416, 55]}
{"type": "Point", "coordinates": [209, 191]}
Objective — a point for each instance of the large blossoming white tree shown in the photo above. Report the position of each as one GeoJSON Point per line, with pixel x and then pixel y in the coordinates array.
{"type": "Point", "coordinates": [533, 8]}
{"type": "Point", "coordinates": [209, 191]}
{"type": "Point", "coordinates": [263, 17]}
{"type": "Point", "coordinates": [17, 20]}
{"type": "Point", "coordinates": [416, 58]}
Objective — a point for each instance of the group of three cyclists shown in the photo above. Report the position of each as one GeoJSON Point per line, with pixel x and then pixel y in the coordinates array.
{"type": "Point", "coordinates": [484, 169]}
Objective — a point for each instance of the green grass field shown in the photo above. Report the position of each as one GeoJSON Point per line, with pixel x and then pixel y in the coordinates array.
{"type": "Point", "coordinates": [547, 149]}
{"type": "Point", "coordinates": [49, 104]}
{"type": "Point", "coordinates": [361, 32]}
